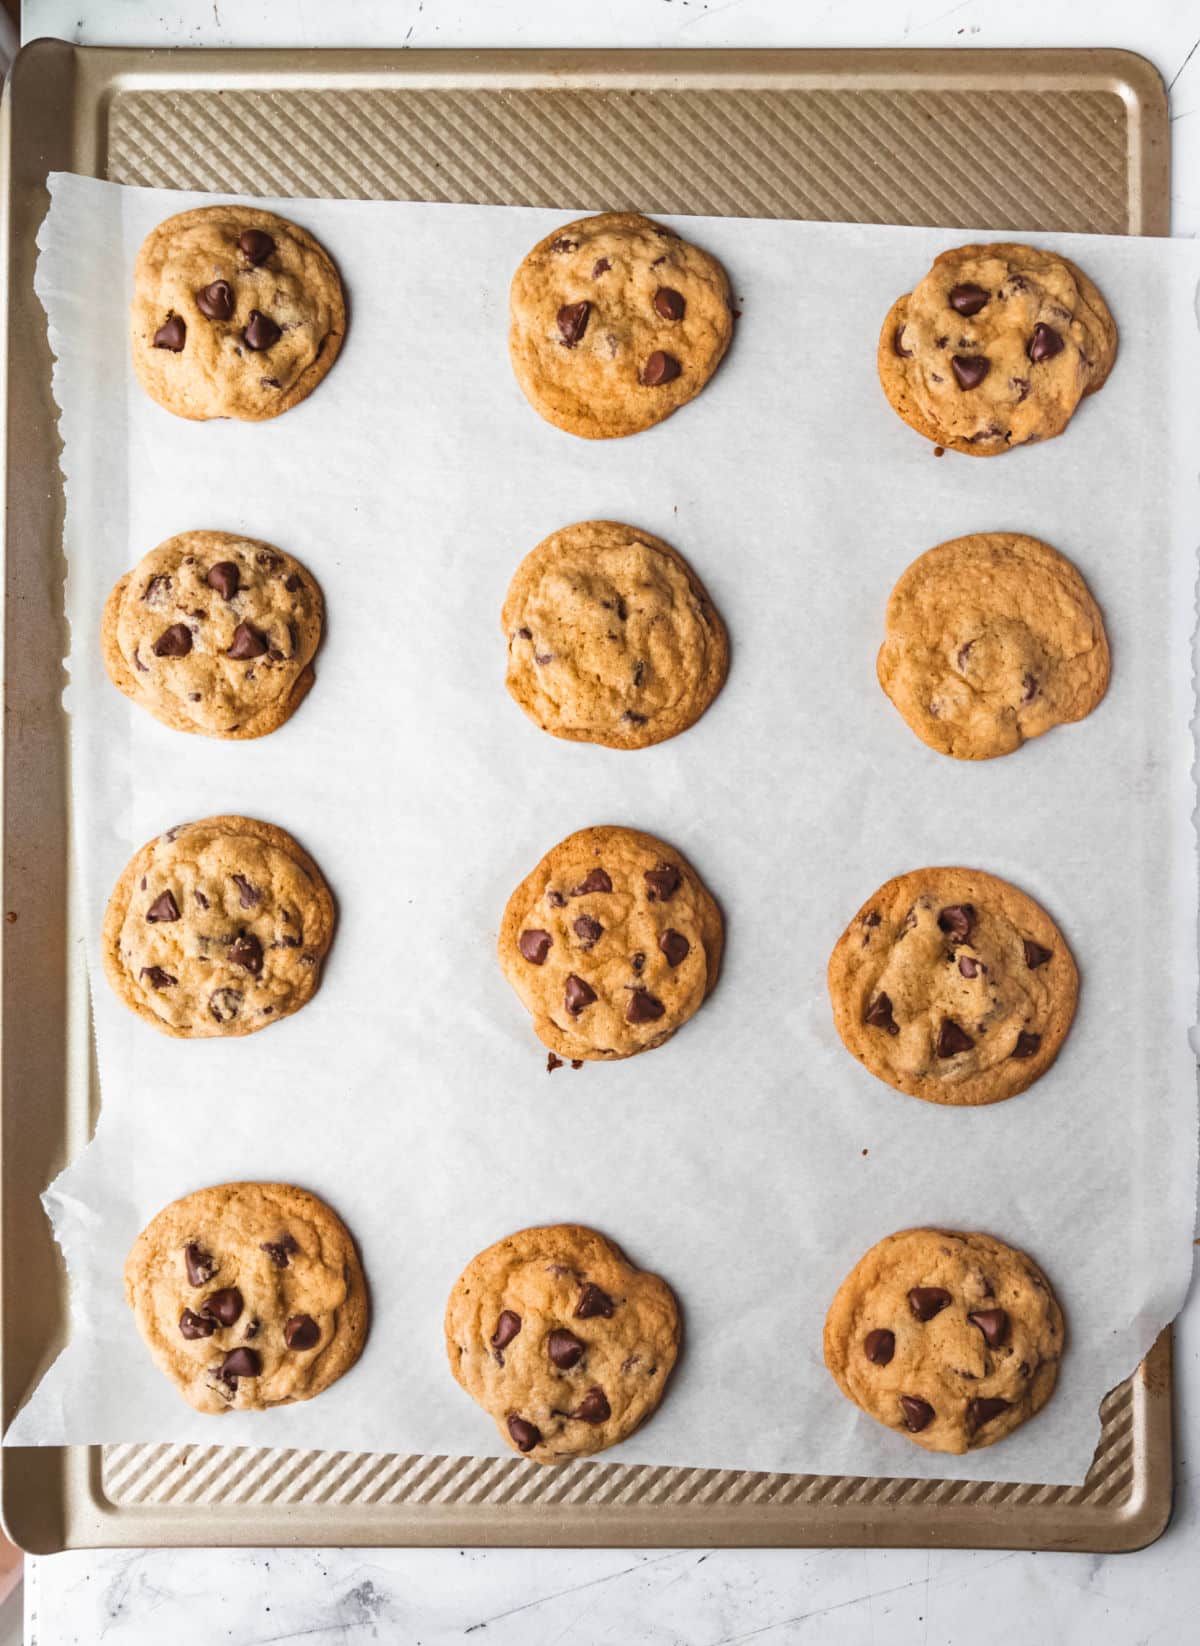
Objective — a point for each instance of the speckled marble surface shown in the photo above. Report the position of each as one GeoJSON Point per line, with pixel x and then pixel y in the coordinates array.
{"type": "Point", "coordinates": [526, 1598]}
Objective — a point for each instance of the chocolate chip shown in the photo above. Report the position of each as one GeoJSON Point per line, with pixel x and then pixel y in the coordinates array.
{"type": "Point", "coordinates": [507, 1327]}
{"type": "Point", "coordinates": [174, 642]}
{"type": "Point", "coordinates": [171, 335]}
{"type": "Point", "coordinates": [246, 951]}
{"type": "Point", "coordinates": [927, 1301]}
{"type": "Point", "coordinates": [969, 966]}
{"type": "Point", "coordinates": [301, 1332]}
{"type": "Point", "coordinates": [1030, 684]}
{"type": "Point", "coordinates": [577, 995]}
{"type": "Point", "coordinates": [643, 1007]}
{"type": "Point", "coordinates": [952, 1039]}
{"type": "Point", "coordinates": [668, 303]}
{"type": "Point", "coordinates": [564, 1348]}
{"type": "Point", "coordinates": [293, 583]}
{"type": "Point", "coordinates": [879, 1346]}
{"type": "Point", "coordinates": [1044, 344]}
{"type": "Point", "coordinates": [957, 920]}
{"type": "Point", "coordinates": [157, 590]}
{"type": "Point", "coordinates": [556, 900]}
{"type": "Point", "coordinates": [157, 978]}
{"type": "Point", "coordinates": [564, 244]}
{"type": "Point", "coordinates": [278, 1250]}
{"type": "Point", "coordinates": [674, 945]}
{"type": "Point", "coordinates": [138, 664]}
{"type": "Point", "coordinates": [248, 895]}
{"type": "Point", "coordinates": [637, 961]}
{"type": "Point", "coordinates": [600, 266]}
{"type": "Point", "coordinates": [247, 643]}
{"type": "Point", "coordinates": [255, 245]}
{"type": "Point", "coordinates": [593, 1301]}
{"type": "Point", "coordinates": [1022, 386]}
{"type": "Point", "coordinates": [588, 931]}
{"type": "Point", "coordinates": [261, 332]}
{"type": "Point", "coordinates": [216, 301]}
{"type": "Point", "coordinates": [898, 344]}
{"type": "Point", "coordinates": [596, 881]}
{"type": "Point", "coordinates": [1035, 955]}
{"type": "Point", "coordinates": [525, 1436]}
{"type": "Point", "coordinates": [553, 1063]}
{"type": "Point", "coordinates": [633, 718]}
{"type": "Point", "coordinates": [535, 946]}
{"type": "Point", "coordinates": [968, 299]}
{"type": "Point", "coordinates": [200, 1265]}
{"type": "Point", "coordinates": [593, 1408]}
{"type": "Point", "coordinates": [1027, 1044]}
{"type": "Point", "coordinates": [981, 1411]}
{"type": "Point", "coordinates": [662, 883]}
{"type": "Point", "coordinates": [524, 634]}
{"type": "Point", "coordinates": [193, 1326]}
{"type": "Point", "coordinates": [660, 368]}
{"type": "Point", "coordinates": [879, 1014]}
{"type": "Point", "coordinates": [993, 1323]}
{"type": "Point", "coordinates": [572, 322]}
{"type": "Point", "coordinates": [225, 578]}
{"type": "Point", "coordinates": [970, 369]}
{"type": "Point", "coordinates": [917, 1414]}
{"type": "Point", "coordinates": [639, 672]}
{"type": "Point", "coordinates": [239, 1363]}
{"type": "Point", "coordinates": [225, 1004]}
{"type": "Point", "coordinates": [224, 1306]}
{"type": "Point", "coordinates": [163, 909]}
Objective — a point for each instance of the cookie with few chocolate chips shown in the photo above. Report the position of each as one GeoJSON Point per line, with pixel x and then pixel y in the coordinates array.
{"type": "Point", "coordinates": [248, 1295]}
{"type": "Point", "coordinates": [995, 348]}
{"type": "Point", "coordinates": [561, 1340]}
{"type": "Point", "coordinates": [611, 943]}
{"type": "Point", "coordinates": [992, 639]}
{"type": "Point", "coordinates": [612, 638]}
{"type": "Point", "coordinates": [214, 634]}
{"type": "Point", "coordinates": [953, 986]}
{"type": "Point", "coordinates": [616, 323]}
{"type": "Point", "coordinates": [217, 928]}
{"type": "Point", "coordinates": [952, 1340]}
{"type": "Point", "coordinates": [236, 313]}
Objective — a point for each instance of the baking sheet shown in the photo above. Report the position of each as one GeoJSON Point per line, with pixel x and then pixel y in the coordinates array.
{"type": "Point", "coordinates": [431, 1124]}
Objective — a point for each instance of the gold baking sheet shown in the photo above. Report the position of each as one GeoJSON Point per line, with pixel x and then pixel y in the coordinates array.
{"type": "Point", "coordinates": [1068, 140]}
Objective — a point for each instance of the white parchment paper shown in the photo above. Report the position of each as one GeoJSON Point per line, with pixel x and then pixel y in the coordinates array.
{"type": "Point", "coordinates": [751, 1160]}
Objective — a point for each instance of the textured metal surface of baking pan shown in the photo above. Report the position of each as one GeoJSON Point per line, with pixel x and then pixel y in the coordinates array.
{"type": "Point", "coordinates": [1067, 140]}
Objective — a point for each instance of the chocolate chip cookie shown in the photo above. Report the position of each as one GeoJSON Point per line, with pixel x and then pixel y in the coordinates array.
{"type": "Point", "coordinates": [249, 1295]}
{"type": "Point", "coordinates": [953, 986]}
{"type": "Point", "coordinates": [611, 637]}
{"type": "Point", "coordinates": [556, 1335]}
{"type": "Point", "coordinates": [616, 323]}
{"type": "Point", "coordinates": [995, 348]}
{"type": "Point", "coordinates": [217, 928]}
{"type": "Point", "coordinates": [992, 639]}
{"type": "Point", "coordinates": [236, 313]}
{"type": "Point", "coordinates": [214, 634]}
{"type": "Point", "coordinates": [951, 1339]}
{"type": "Point", "coordinates": [611, 943]}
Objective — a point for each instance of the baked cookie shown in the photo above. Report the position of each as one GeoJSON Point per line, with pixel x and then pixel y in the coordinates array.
{"type": "Point", "coordinates": [616, 323]}
{"type": "Point", "coordinates": [249, 1295]}
{"type": "Point", "coordinates": [611, 637]}
{"type": "Point", "coordinates": [951, 1339]}
{"type": "Point", "coordinates": [214, 634]}
{"type": "Point", "coordinates": [995, 348]}
{"type": "Point", "coordinates": [217, 928]}
{"type": "Point", "coordinates": [992, 639]}
{"type": "Point", "coordinates": [953, 986]}
{"type": "Point", "coordinates": [236, 313]}
{"type": "Point", "coordinates": [556, 1335]}
{"type": "Point", "coordinates": [611, 943]}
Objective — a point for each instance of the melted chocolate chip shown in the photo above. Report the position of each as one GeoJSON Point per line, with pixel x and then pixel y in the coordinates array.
{"type": "Point", "coordinates": [577, 995]}
{"type": "Point", "coordinates": [507, 1327]}
{"type": "Point", "coordinates": [572, 322]}
{"type": "Point", "coordinates": [952, 1039]}
{"type": "Point", "coordinates": [171, 335]}
{"type": "Point", "coordinates": [564, 1348]}
{"type": "Point", "coordinates": [660, 368]}
{"type": "Point", "coordinates": [879, 1014]}
{"type": "Point", "coordinates": [279, 1250]}
{"type": "Point", "coordinates": [643, 1007]}
{"type": "Point", "coordinates": [564, 244]}
{"type": "Point", "coordinates": [593, 1408]}
{"type": "Point", "coordinates": [157, 590]}
{"type": "Point", "coordinates": [225, 578]}
{"type": "Point", "coordinates": [593, 1301]}
{"type": "Point", "coordinates": [248, 895]}
{"type": "Point", "coordinates": [225, 1004]}
{"type": "Point", "coordinates": [174, 642]}
{"type": "Point", "coordinates": [596, 881]}
{"type": "Point", "coordinates": [600, 266]}
{"type": "Point", "coordinates": [193, 1326]}
{"type": "Point", "coordinates": [982, 1411]}
{"type": "Point", "coordinates": [588, 931]}
{"type": "Point", "coordinates": [224, 1306]}
{"type": "Point", "coordinates": [917, 1414]}
{"type": "Point", "coordinates": [292, 583]}
{"type": "Point", "coordinates": [970, 369]}
{"type": "Point", "coordinates": [215, 301]}
{"type": "Point", "coordinates": [525, 1436]}
{"type": "Point", "coordinates": [637, 961]}
{"type": "Point", "coordinates": [662, 883]}
{"type": "Point", "coordinates": [669, 303]}
{"type": "Point", "coordinates": [674, 945]}
{"type": "Point", "coordinates": [261, 332]}
{"type": "Point", "coordinates": [247, 643]}
{"type": "Point", "coordinates": [993, 1323]}
{"type": "Point", "coordinates": [879, 1346]}
{"type": "Point", "coordinates": [898, 344]}
{"type": "Point", "coordinates": [301, 1332]}
{"type": "Point", "coordinates": [968, 299]}
{"type": "Point", "coordinates": [255, 245]}
{"type": "Point", "coordinates": [163, 909]}
{"type": "Point", "coordinates": [200, 1265]}
{"type": "Point", "coordinates": [1035, 955]}
{"type": "Point", "coordinates": [957, 920]}
{"type": "Point", "coordinates": [969, 966]}
{"type": "Point", "coordinates": [1027, 1044]}
{"type": "Point", "coordinates": [1044, 344]}
{"type": "Point", "coordinates": [927, 1301]}
{"type": "Point", "coordinates": [246, 951]}
{"type": "Point", "coordinates": [535, 946]}
{"type": "Point", "coordinates": [157, 978]}
{"type": "Point", "coordinates": [239, 1363]}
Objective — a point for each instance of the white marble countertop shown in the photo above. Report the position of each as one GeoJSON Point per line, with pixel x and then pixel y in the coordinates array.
{"type": "Point", "coordinates": [525, 1598]}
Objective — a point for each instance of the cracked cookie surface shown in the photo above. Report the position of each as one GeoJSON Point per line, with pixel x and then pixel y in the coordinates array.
{"type": "Point", "coordinates": [217, 928]}
{"type": "Point", "coordinates": [236, 313]}
{"type": "Point", "coordinates": [561, 1340]}
{"type": "Point", "coordinates": [612, 638]}
{"type": "Point", "coordinates": [214, 634]}
{"type": "Point", "coordinates": [611, 943]}
{"type": "Point", "coordinates": [248, 1295]}
{"type": "Point", "coordinates": [995, 348]}
{"type": "Point", "coordinates": [953, 986]}
{"type": "Point", "coordinates": [952, 1340]}
{"type": "Point", "coordinates": [992, 639]}
{"type": "Point", "coordinates": [616, 323]}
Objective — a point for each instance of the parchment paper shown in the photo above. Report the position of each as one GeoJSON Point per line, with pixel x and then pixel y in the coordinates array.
{"type": "Point", "coordinates": [751, 1160]}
